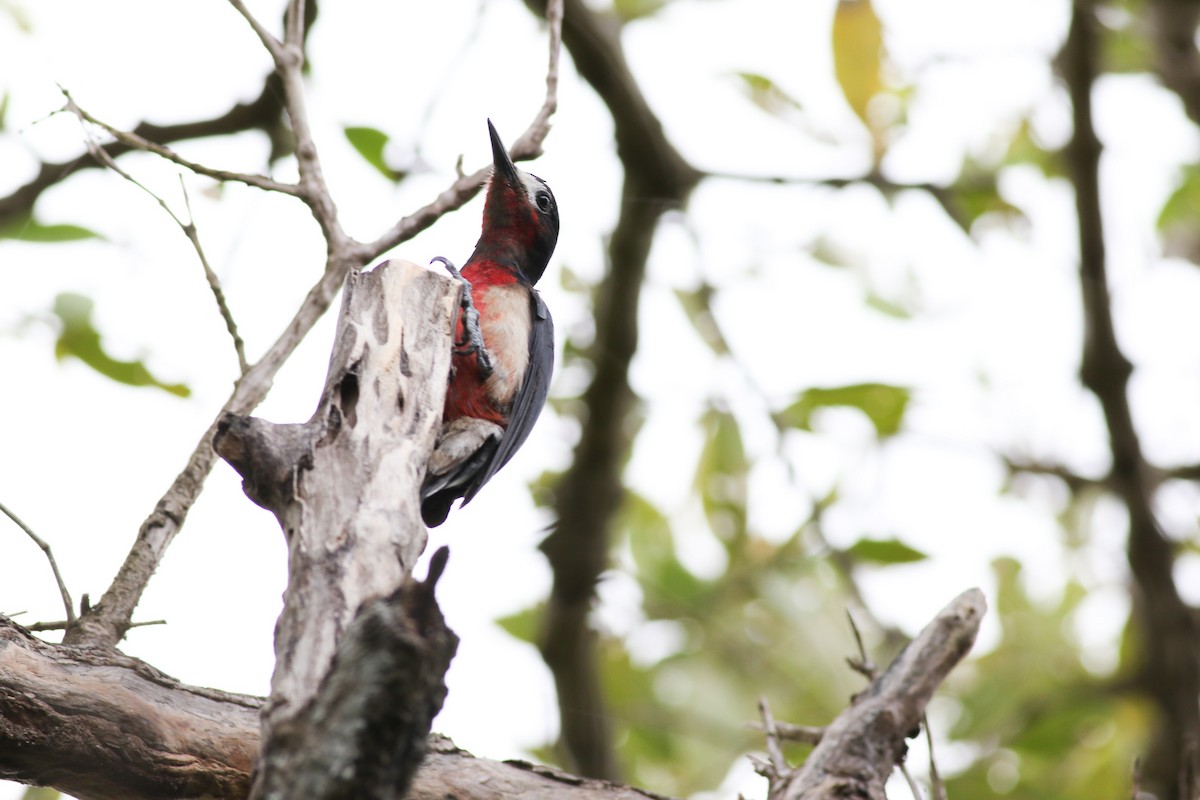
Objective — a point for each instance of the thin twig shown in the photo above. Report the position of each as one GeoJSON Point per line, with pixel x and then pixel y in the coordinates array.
{"type": "Point", "coordinates": [778, 764]}
{"type": "Point", "coordinates": [59, 625]}
{"type": "Point", "coordinates": [786, 731]}
{"type": "Point", "coordinates": [912, 784]}
{"type": "Point", "coordinates": [529, 143]}
{"type": "Point", "coordinates": [214, 282]}
{"type": "Point", "coordinates": [189, 230]}
{"type": "Point", "coordinates": [273, 45]}
{"type": "Point", "coordinates": [863, 665]}
{"type": "Point", "coordinates": [936, 784]}
{"type": "Point", "coordinates": [42, 543]}
{"type": "Point", "coordinates": [140, 143]}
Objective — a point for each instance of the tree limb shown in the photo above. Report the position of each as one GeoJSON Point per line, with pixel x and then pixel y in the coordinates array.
{"type": "Point", "coordinates": [1173, 30]}
{"type": "Point", "coordinates": [589, 494]}
{"type": "Point", "coordinates": [859, 749]}
{"type": "Point", "coordinates": [1170, 637]}
{"type": "Point", "coordinates": [103, 726]}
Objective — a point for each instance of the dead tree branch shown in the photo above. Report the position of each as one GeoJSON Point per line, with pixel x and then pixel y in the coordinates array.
{"type": "Point", "coordinates": [68, 604]}
{"type": "Point", "coordinates": [102, 726]}
{"type": "Point", "coordinates": [344, 488]}
{"type": "Point", "coordinates": [1170, 672]}
{"type": "Point", "coordinates": [860, 748]}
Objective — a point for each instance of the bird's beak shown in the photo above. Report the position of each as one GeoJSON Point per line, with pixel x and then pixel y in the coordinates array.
{"type": "Point", "coordinates": [502, 164]}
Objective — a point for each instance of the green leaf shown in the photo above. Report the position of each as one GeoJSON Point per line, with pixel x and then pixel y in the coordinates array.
{"type": "Point", "coordinates": [698, 307]}
{"type": "Point", "coordinates": [79, 338]}
{"type": "Point", "coordinates": [19, 17]}
{"type": "Point", "coordinates": [766, 94]}
{"type": "Point", "coordinates": [721, 477]}
{"type": "Point", "coordinates": [884, 405]}
{"type": "Point", "coordinates": [1184, 203]}
{"type": "Point", "coordinates": [887, 307]}
{"type": "Point", "coordinates": [1126, 45]}
{"type": "Point", "coordinates": [629, 10]}
{"type": "Point", "coordinates": [27, 229]}
{"type": "Point", "coordinates": [370, 144]}
{"type": "Point", "coordinates": [523, 625]}
{"type": "Point", "coordinates": [885, 551]}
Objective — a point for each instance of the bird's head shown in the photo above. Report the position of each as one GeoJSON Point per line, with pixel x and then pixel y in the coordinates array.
{"type": "Point", "coordinates": [520, 215]}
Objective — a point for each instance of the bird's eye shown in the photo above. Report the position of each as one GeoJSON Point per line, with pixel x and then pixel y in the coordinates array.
{"type": "Point", "coordinates": [543, 201]}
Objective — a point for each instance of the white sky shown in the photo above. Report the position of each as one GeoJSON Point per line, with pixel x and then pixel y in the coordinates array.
{"type": "Point", "coordinates": [993, 353]}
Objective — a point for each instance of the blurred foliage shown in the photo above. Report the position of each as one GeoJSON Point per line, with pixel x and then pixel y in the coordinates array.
{"type": "Point", "coordinates": [78, 337]}
{"type": "Point", "coordinates": [41, 793]}
{"type": "Point", "coordinates": [26, 228]}
{"type": "Point", "coordinates": [1029, 718]}
{"type": "Point", "coordinates": [629, 10]}
{"type": "Point", "coordinates": [884, 551]}
{"type": "Point", "coordinates": [1045, 726]}
{"type": "Point", "coordinates": [858, 58]}
{"type": "Point", "coordinates": [765, 616]}
{"type": "Point", "coordinates": [15, 12]}
{"type": "Point", "coordinates": [370, 143]}
{"type": "Point", "coordinates": [884, 405]}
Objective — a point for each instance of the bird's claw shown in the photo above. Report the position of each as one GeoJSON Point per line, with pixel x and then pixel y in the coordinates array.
{"type": "Point", "coordinates": [472, 341]}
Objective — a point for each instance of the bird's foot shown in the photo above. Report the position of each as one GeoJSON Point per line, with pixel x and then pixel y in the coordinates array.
{"type": "Point", "coordinates": [472, 339]}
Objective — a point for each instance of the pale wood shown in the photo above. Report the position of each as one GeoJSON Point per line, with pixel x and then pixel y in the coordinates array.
{"type": "Point", "coordinates": [344, 485]}
{"type": "Point", "coordinates": [860, 749]}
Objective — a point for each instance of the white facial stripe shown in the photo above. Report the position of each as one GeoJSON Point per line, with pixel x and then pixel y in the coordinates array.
{"type": "Point", "coordinates": [532, 187]}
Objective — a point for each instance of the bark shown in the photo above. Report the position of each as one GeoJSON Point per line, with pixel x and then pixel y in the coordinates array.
{"type": "Point", "coordinates": [103, 726]}
{"type": "Point", "coordinates": [1177, 59]}
{"type": "Point", "coordinates": [859, 750]}
{"type": "Point", "coordinates": [344, 488]}
{"type": "Point", "coordinates": [1167, 627]}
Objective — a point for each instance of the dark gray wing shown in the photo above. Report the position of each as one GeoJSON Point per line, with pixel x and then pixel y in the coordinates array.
{"type": "Point", "coordinates": [530, 398]}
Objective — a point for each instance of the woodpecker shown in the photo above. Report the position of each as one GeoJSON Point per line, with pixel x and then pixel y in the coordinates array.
{"type": "Point", "coordinates": [504, 339]}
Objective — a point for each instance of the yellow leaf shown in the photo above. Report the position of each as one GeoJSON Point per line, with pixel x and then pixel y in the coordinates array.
{"type": "Point", "coordinates": [858, 57]}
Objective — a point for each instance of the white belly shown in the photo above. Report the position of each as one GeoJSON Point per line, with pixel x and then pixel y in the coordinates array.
{"type": "Point", "coordinates": [504, 321]}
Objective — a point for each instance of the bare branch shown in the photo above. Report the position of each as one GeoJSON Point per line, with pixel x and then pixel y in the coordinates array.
{"type": "Point", "coordinates": [68, 604]}
{"type": "Point", "coordinates": [133, 141]}
{"type": "Point", "coordinates": [527, 145]}
{"type": "Point", "coordinates": [62, 624]}
{"type": "Point", "coordinates": [863, 665]}
{"type": "Point", "coordinates": [778, 764]}
{"type": "Point", "coordinates": [861, 747]}
{"type": "Point", "coordinates": [912, 784]}
{"type": "Point", "coordinates": [189, 230]}
{"type": "Point", "coordinates": [214, 283]}
{"type": "Point", "coordinates": [273, 45]}
{"type": "Point", "coordinates": [936, 783]}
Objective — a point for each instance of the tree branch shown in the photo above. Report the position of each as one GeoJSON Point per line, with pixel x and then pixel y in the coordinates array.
{"type": "Point", "coordinates": [110, 618]}
{"type": "Point", "coordinates": [859, 749]}
{"type": "Point", "coordinates": [589, 494]}
{"type": "Point", "coordinates": [136, 142]}
{"type": "Point", "coordinates": [103, 726]}
{"type": "Point", "coordinates": [1173, 29]}
{"type": "Point", "coordinates": [1170, 672]}
{"type": "Point", "coordinates": [68, 604]}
